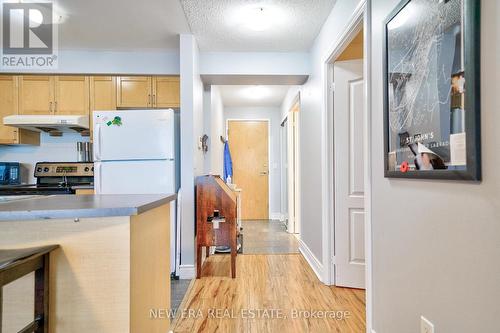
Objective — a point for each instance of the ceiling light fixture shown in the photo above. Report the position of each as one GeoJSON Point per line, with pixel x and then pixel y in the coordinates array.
{"type": "Point", "coordinates": [257, 17]}
{"type": "Point", "coordinates": [258, 20]}
{"type": "Point", "coordinates": [255, 92]}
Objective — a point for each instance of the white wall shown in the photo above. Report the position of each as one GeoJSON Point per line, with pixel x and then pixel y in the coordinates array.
{"type": "Point", "coordinates": [214, 128]}
{"type": "Point", "coordinates": [312, 98]}
{"type": "Point", "coordinates": [273, 114]}
{"type": "Point", "coordinates": [52, 149]}
{"type": "Point", "coordinates": [115, 62]}
{"type": "Point", "coordinates": [442, 260]}
{"type": "Point", "coordinates": [191, 156]}
{"type": "Point", "coordinates": [255, 63]}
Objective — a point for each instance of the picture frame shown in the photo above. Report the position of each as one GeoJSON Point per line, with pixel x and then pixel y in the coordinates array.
{"type": "Point", "coordinates": [431, 80]}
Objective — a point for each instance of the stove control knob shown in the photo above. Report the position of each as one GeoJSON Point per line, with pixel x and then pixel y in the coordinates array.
{"type": "Point", "coordinates": [46, 169]}
{"type": "Point", "coordinates": [86, 169]}
{"type": "Point", "coordinates": [39, 169]}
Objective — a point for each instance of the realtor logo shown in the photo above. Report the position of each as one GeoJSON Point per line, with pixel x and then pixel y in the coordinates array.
{"type": "Point", "coordinates": [28, 36]}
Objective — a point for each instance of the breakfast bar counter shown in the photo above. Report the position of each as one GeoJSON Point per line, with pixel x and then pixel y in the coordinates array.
{"type": "Point", "coordinates": [112, 267]}
{"type": "Point", "coordinates": [79, 206]}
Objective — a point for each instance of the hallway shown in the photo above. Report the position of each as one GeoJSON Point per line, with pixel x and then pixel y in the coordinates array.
{"type": "Point", "coordinates": [268, 237]}
{"type": "Point", "coordinates": [268, 295]}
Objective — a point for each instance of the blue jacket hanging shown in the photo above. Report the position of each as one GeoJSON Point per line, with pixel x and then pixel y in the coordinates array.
{"type": "Point", "coordinates": [228, 162]}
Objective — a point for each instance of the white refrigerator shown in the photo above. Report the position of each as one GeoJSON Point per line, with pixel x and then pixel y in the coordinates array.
{"type": "Point", "coordinates": [135, 153]}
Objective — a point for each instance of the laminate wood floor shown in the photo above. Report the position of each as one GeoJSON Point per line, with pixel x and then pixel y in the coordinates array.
{"type": "Point", "coordinates": [266, 296]}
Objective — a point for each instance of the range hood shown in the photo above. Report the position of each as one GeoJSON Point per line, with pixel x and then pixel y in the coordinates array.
{"type": "Point", "coordinates": [54, 125]}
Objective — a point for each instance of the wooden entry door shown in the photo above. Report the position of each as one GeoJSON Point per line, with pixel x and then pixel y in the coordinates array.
{"type": "Point", "coordinates": [249, 145]}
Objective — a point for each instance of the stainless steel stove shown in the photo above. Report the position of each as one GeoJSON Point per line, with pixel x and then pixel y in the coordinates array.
{"type": "Point", "coordinates": [54, 178]}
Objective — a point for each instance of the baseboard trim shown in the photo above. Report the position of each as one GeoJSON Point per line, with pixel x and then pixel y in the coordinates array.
{"type": "Point", "coordinates": [311, 259]}
{"type": "Point", "coordinates": [187, 272]}
{"type": "Point", "coordinates": [275, 216]}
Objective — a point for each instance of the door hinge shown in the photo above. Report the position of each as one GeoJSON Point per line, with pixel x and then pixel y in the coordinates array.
{"type": "Point", "coordinates": [333, 260]}
{"type": "Point", "coordinates": [332, 86]}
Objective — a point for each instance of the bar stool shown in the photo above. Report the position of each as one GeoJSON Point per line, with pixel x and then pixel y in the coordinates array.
{"type": "Point", "coordinates": [16, 263]}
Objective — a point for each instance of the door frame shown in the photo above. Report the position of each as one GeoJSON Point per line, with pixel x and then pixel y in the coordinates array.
{"type": "Point", "coordinates": [268, 120]}
{"type": "Point", "coordinates": [360, 19]}
{"type": "Point", "coordinates": [284, 199]}
{"type": "Point", "coordinates": [293, 147]}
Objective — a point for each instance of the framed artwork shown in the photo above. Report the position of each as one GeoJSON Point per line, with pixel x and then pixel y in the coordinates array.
{"type": "Point", "coordinates": [432, 90]}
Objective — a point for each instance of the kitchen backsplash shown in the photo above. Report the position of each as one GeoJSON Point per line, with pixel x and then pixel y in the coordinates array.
{"type": "Point", "coordinates": [53, 149]}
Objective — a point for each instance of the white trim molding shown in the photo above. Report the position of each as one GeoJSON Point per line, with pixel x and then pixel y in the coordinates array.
{"type": "Point", "coordinates": [367, 24]}
{"type": "Point", "coordinates": [311, 259]}
{"type": "Point", "coordinates": [276, 216]}
{"type": "Point", "coordinates": [361, 17]}
{"type": "Point", "coordinates": [187, 272]}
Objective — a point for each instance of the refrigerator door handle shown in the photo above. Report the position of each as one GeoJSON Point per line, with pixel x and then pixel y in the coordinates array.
{"type": "Point", "coordinates": [99, 143]}
{"type": "Point", "coordinates": [98, 176]}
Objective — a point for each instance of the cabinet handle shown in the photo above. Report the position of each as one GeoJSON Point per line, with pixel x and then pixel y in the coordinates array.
{"type": "Point", "coordinates": [55, 106]}
{"type": "Point", "coordinates": [50, 107]}
{"type": "Point", "coordinates": [149, 99]}
{"type": "Point", "coordinates": [154, 100]}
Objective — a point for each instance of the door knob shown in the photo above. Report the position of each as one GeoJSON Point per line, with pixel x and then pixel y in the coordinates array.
{"type": "Point", "coordinates": [263, 173]}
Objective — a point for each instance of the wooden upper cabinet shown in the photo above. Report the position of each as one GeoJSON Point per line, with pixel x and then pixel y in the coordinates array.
{"type": "Point", "coordinates": [102, 96]}
{"type": "Point", "coordinates": [166, 92]}
{"type": "Point", "coordinates": [102, 93]}
{"type": "Point", "coordinates": [71, 95]}
{"type": "Point", "coordinates": [133, 92]}
{"type": "Point", "coordinates": [9, 105]}
{"type": "Point", "coordinates": [36, 94]}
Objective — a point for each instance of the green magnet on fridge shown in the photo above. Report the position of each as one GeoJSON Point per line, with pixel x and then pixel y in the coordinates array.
{"type": "Point", "coordinates": [116, 121]}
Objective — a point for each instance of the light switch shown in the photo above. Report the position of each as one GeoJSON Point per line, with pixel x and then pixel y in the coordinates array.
{"type": "Point", "coordinates": [425, 325]}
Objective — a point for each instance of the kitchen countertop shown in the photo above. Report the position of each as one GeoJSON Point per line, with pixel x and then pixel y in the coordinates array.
{"type": "Point", "coordinates": [80, 206]}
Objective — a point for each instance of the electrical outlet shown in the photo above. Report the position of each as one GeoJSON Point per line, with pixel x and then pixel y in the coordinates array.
{"type": "Point", "coordinates": [425, 325]}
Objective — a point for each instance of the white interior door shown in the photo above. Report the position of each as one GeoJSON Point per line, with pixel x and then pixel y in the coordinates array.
{"type": "Point", "coordinates": [348, 117]}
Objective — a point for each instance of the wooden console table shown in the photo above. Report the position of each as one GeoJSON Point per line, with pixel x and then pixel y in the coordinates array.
{"type": "Point", "coordinates": [216, 212]}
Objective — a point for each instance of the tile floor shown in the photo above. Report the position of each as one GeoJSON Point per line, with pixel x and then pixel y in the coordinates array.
{"type": "Point", "coordinates": [178, 289]}
{"type": "Point", "coordinates": [267, 237]}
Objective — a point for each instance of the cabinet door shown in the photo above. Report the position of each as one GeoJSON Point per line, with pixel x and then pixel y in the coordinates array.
{"type": "Point", "coordinates": [102, 93]}
{"type": "Point", "coordinates": [133, 92]}
{"type": "Point", "coordinates": [102, 96]}
{"type": "Point", "coordinates": [71, 95]}
{"type": "Point", "coordinates": [36, 94]}
{"type": "Point", "coordinates": [8, 106]}
{"type": "Point", "coordinates": [166, 92]}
